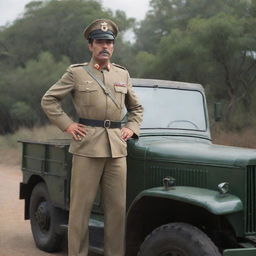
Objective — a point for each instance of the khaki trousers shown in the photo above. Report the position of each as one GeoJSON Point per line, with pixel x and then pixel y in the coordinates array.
{"type": "Point", "coordinates": [87, 175]}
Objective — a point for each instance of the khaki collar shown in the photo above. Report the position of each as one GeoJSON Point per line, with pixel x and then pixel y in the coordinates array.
{"type": "Point", "coordinates": [95, 65]}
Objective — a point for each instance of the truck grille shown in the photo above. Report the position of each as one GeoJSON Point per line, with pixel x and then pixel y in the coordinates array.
{"type": "Point", "coordinates": [183, 176]}
{"type": "Point", "coordinates": [251, 200]}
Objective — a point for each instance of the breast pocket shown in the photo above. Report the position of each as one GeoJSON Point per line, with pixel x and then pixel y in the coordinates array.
{"type": "Point", "coordinates": [87, 94]}
{"type": "Point", "coordinates": [121, 91]}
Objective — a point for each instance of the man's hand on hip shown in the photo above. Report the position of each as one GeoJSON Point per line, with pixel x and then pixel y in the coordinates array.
{"type": "Point", "coordinates": [126, 133]}
{"type": "Point", "coordinates": [76, 130]}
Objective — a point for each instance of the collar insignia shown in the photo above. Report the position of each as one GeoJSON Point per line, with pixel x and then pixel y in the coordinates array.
{"type": "Point", "coordinates": [98, 67]}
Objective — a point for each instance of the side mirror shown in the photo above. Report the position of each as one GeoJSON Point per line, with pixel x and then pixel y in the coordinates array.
{"type": "Point", "coordinates": [217, 111]}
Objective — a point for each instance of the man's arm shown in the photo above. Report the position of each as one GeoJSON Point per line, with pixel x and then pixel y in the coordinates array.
{"type": "Point", "coordinates": [135, 113]}
{"type": "Point", "coordinates": [51, 104]}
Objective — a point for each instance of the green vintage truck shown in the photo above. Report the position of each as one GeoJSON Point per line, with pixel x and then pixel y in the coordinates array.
{"type": "Point", "coordinates": [185, 195]}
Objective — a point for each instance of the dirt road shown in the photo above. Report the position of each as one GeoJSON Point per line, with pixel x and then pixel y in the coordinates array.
{"type": "Point", "coordinates": [15, 234]}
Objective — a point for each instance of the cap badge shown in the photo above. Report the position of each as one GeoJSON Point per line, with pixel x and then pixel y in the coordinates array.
{"type": "Point", "coordinates": [104, 26]}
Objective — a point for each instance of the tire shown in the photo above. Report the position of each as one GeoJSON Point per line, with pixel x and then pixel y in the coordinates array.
{"type": "Point", "coordinates": [44, 220]}
{"type": "Point", "coordinates": [178, 239]}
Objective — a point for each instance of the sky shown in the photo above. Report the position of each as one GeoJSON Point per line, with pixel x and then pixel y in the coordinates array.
{"type": "Point", "coordinates": [11, 9]}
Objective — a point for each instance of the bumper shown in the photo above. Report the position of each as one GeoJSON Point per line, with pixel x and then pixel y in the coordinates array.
{"type": "Point", "coordinates": [240, 252]}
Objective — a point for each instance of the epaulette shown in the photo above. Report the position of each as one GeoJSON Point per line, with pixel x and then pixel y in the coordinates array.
{"type": "Point", "coordinates": [79, 65]}
{"type": "Point", "coordinates": [116, 65]}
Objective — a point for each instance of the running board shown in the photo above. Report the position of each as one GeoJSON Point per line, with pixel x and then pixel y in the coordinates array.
{"type": "Point", "coordinates": [96, 235]}
{"type": "Point", "coordinates": [96, 250]}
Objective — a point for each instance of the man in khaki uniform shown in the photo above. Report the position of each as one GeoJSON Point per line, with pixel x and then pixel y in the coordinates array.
{"type": "Point", "coordinates": [100, 91]}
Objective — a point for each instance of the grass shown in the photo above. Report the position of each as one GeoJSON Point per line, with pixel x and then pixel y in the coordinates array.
{"type": "Point", "coordinates": [244, 138]}
{"type": "Point", "coordinates": [10, 149]}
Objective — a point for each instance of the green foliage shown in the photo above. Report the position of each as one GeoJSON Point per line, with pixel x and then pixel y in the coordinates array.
{"type": "Point", "coordinates": [22, 114]}
{"type": "Point", "coordinates": [145, 61]}
{"type": "Point", "coordinates": [37, 48]}
{"type": "Point", "coordinates": [208, 42]}
{"type": "Point", "coordinates": [54, 26]}
{"type": "Point", "coordinates": [21, 91]}
{"type": "Point", "coordinates": [167, 15]}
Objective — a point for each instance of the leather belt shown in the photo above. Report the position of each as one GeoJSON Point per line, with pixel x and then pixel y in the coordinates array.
{"type": "Point", "coordinates": [100, 123]}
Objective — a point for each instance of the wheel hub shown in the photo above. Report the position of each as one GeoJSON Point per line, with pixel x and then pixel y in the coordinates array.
{"type": "Point", "coordinates": [42, 216]}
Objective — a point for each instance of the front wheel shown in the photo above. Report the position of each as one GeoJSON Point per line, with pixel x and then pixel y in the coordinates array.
{"type": "Point", "coordinates": [178, 239]}
{"type": "Point", "coordinates": [44, 219]}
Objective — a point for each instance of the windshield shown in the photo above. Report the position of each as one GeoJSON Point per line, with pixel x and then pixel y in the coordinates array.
{"type": "Point", "coordinates": [172, 108]}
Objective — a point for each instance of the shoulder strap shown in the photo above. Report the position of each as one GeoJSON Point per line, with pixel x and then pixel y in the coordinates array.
{"type": "Point", "coordinates": [103, 87]}
{"type": "Point", "coordinates": [78, 65]}
{"type": "Point", "coordinates": [119, 66]}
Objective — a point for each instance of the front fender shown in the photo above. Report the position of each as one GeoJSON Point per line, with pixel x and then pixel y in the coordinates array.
{"type": "Point", "coordinates": [211, 200]}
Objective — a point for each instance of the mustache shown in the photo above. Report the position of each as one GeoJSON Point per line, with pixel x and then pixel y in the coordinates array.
{"type": "Point", "coordinates": [104, 52]}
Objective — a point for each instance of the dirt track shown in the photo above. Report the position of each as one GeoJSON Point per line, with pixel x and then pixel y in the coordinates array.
{"type": "Point", "coordinates": [15, 234]}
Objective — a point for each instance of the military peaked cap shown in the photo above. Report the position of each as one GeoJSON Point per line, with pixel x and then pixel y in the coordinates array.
{"type": "Point", "coordinates": [101, 29]}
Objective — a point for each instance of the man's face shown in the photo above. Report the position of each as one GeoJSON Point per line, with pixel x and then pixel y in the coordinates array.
{"type": "Point", "coordinates": [102, 49]}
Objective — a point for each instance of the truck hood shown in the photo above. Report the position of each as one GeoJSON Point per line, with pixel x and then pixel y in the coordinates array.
{"type": "Point", "coordinates": [195, 150]}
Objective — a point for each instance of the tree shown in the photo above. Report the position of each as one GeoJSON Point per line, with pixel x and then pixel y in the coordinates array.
{"type": "Point", "coordinates": [231, 48]}
{"type": "Point", "coordinates": [37, 48]}
{"type": "Point", "coordinates": [167, 15]}
{"type": "Point", "coordinates": [22, 115]}
{"type": "Point", "coordinates": [54, 26]}
{"type": "Point", "coordinates": [211, 47]}
{"type": "Point", "coordinates": [21, 91]}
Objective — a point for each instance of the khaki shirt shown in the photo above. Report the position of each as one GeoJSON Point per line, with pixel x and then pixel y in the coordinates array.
{"type": "Point", "coordinates": [91, 102]}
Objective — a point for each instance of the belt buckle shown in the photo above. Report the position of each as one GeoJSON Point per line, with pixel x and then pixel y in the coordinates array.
{"type": "Point", "coordinates": [107, 123]}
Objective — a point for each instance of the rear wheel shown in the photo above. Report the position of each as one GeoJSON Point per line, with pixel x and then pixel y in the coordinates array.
{"type": "Point", "coordinates": [178, 239]}
{"type": "Point", "coordinates": [44, 219]}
